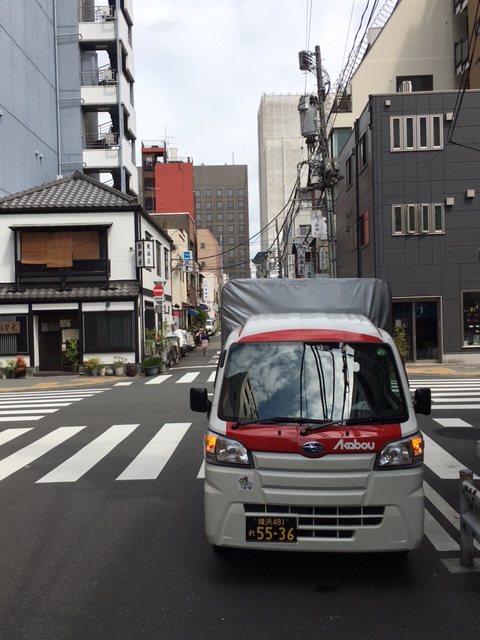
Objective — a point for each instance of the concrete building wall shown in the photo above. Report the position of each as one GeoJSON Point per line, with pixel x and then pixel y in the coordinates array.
{"type": "Point", "coordinates": [280, 148]}
{"type": "Point", "coordinates": [27, 96]}
{"type": "Point", "coordinates": [418, 39]}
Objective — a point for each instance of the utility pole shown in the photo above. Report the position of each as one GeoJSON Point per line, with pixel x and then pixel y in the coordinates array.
{"type": "Point", "coordinates": [323, 170]}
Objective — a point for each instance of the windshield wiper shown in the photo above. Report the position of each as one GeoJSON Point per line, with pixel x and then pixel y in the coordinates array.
{"type": "Point", "coordinates": [282, 420]}
{"type": "Point", "coordinates": [351, 422]}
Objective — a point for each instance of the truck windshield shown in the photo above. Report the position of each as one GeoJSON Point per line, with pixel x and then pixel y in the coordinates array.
{"type": "Point", "coordinates": [319, 380]}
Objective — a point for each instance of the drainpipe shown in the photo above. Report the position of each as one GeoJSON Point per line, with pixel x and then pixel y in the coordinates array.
{"type": "Point", "coordinates": [59, 140]}
{"type": "Point", "coordinates": [119, 99]}
{"type": "Point", "coordinates": [357, 205]}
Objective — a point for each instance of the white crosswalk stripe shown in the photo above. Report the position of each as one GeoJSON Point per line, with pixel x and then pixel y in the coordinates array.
{"type": "Point", "coordinates": [451, 393]}
{"type": "Point", "coordinates": [151, 460]}
{"type": "Point", "coordinates": [147, 465]}
{"type": "Point", "coordinates": [158, 379]}
{"type": "Point", "coordinates": [188, 377]}
{"type": "Point", "coordinates": [34, 405]}
{"type": "Point", "coordinates": [31, 452]}
{"type": "Point", "coordinates": [78, 465]}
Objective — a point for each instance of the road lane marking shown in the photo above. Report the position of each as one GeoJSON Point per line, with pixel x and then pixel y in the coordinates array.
{"type": "Point", "coordinates": [440, 461]}
{"type": "Point", "coordinates": [21, 418]}
{"type": "Point", "coordinates": [76, 466]}
{"type": "Point", "coordinates": [35, 450]}
{"type": "Point", "coordinates": [150, 462]}
{"type": "Point", "coordinates": [188, 377]}
{"type": "Point", "coordinates": [10, 434]}
{"type": "Point", "coordinates": [159, 379]}
{"type": "Point", "coordinates": [452, 422]}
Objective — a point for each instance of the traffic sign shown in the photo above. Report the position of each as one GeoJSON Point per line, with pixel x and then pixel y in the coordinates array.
{"type": "Point", "coordinates": [158, 290]}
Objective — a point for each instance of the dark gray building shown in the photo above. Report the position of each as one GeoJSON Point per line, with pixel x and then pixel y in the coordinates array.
{"type": "Point", "coordinates": [407, 212]}
{"type": "Point", "coordinates": [221, 206]}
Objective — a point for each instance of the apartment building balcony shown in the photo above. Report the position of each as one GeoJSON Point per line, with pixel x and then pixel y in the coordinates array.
{"type": "Point", "coordinates": [98, 25]}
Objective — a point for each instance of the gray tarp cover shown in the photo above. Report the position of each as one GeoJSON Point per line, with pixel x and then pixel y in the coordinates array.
{"type": "Point", "coordinates": [245, 297]}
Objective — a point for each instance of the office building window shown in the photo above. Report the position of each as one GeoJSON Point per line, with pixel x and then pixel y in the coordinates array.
{"type": "Point", "coordinates": [416, 133]}
{"type": "Point", "coordinates": [409, 124]}
{"type": "Point", "coordinates": [230, 193]}
{"type": "Point", "coordinates": [424, 218]}
{"type": "Point", "coordinates": [219, 193]}
{"type": "Point", "coordinates": [438, 215]}
{"type": "Point", "coordinates": [414, 219]}
{"type": "Point", "coordinates": [362, 151]}
{"type": "Point", "coordinates": [208, 193]}
{"type": "Point", "coordinates": [411, 218]}
{"type": "Point", "coordinates": [166, 257]}
{"type": "Point", "coordinates": [349, 171]}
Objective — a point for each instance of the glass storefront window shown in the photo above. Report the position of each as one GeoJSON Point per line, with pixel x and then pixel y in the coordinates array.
{"type": "Point", "coordinates": [471, 319]}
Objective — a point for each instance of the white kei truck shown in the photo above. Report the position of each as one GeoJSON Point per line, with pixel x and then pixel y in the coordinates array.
{"type": "Point", "coordinates": [312, 441]}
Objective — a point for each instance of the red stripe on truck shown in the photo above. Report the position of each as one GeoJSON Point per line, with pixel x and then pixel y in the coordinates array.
{"type": "Point", "coordinates": [309, 335]}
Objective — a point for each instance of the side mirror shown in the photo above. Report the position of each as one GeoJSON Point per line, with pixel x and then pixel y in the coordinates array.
{"type": "Point", "coordinates": [199, 400]}
{"type": "Point", "coordinates": [422, 402]}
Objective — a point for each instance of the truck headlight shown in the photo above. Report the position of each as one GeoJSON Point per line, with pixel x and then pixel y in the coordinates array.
{"type": "Point", "coordinates": [223, 450]}
{"type": "Point", "coordinates": [407, 452]}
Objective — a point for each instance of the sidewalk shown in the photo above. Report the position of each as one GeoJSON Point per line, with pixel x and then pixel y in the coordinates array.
{"type": "Point", "coordinates": [442, 369]}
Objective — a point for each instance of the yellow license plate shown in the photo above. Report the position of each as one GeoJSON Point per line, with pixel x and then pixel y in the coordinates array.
{"type": "Point", "coordinates": [271, 529]}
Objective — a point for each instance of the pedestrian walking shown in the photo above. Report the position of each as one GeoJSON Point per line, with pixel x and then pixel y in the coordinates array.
{"type": "Point", "coordinates": [205, 342]}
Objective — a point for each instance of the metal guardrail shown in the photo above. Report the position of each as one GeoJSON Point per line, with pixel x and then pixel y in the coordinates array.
{"type": "Point", "coordinates": [469, 517]}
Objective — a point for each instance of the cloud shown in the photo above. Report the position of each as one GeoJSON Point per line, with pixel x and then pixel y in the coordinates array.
{"type": "Point", "coordinates": [201, 67]}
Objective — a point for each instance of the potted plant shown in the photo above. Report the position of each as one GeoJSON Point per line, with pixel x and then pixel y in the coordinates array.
{"type": "Point", "coordinates": [20, 367]}
{"type": "Point", "coordinates": [92, 365]}
{"type": "Point", "coordinates": [119, 365]}
{"type": "Point", "coordinates": [401, 341]}
{"type": "Point", "coordinates": [131, 369]}
{"type": "Point", "coordinates": [71, 353]}
{"type": "Point", "coordinates": [151, 366]}
{"type": "Point", "coordinates": [10, 368]}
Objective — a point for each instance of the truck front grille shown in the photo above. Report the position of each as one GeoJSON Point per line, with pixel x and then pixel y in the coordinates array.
{"type": "Point", "coordinates": [324, 522]}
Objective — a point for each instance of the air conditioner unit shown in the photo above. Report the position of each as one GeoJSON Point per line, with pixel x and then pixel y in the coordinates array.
{"type": "Point", "coordinates": [107, 76]}
{"type": "Point", "coordinates": [105, 13]}
{"type": "Point", "coordinates": [406, 86]}
{"type": "Point", "coordinates": [110, 139]}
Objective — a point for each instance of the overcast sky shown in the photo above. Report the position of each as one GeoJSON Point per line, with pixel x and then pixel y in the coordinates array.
{"type": "Point", "coordinates": [201, 67]}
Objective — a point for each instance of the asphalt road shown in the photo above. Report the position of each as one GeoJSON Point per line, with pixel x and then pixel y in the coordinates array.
{"type": "Point", "coordinates": [88, 550]}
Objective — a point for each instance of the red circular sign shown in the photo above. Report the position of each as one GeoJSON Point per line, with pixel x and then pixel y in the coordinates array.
{"type": "Point", "coordinates": [158, 290]}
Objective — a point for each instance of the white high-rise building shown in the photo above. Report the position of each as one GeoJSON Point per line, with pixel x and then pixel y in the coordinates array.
{"type": "Point", "coordinates": [281, 148]}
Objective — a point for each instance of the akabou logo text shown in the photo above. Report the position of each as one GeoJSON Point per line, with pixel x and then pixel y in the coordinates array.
{"type": "Point", "coordinates": [354, 445]}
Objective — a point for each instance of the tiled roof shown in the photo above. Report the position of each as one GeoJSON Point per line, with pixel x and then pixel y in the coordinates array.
{"type": "Point", "coordinates": [73, 192]}
{"type": "Point", "coordinates": [117, 290]}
